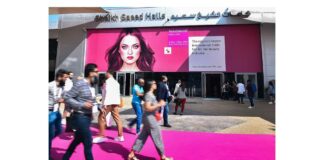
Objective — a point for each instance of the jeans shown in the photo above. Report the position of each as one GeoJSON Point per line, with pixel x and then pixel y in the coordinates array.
{"type": "Point", "coordinates": [82, 135]}
{"type": "Point", "coordinates": [55, 127]}
{"type": "Point", "coordinates": [251, 101]}
{"type": "Point", "coordinates": [240, 98]}
{"type": "Point", "coordinates": [166, 113]}
{"type": "Point", "coordinates": [139, 113]}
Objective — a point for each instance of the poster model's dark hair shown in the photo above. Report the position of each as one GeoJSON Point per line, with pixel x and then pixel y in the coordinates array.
{"type": "Point", "coordinates": [146, 59]}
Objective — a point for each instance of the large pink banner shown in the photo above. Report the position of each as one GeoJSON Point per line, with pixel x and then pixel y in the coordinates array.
{"type": "Point", "coordinates": [167, 50]}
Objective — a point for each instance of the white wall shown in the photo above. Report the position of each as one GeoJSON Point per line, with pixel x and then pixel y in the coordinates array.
{"type": "Point", "coordinates": [268, 52]}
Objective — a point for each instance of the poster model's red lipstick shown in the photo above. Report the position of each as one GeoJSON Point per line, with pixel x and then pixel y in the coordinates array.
{"type": "Point", "coordinates": [130, 57]}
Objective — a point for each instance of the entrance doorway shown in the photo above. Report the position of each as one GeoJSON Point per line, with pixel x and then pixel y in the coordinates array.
{"type": "Point", "coordinates": [126, 81]}
{"type": "Point", "coordinates": [212, 83]}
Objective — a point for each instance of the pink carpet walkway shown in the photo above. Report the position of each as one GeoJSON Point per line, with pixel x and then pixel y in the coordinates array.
{"type": "Point", "coordinates": [180, 145]}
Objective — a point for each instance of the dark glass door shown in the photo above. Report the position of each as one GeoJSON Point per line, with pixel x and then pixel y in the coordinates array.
{"type": "Point", "coordinates": [213, 85]}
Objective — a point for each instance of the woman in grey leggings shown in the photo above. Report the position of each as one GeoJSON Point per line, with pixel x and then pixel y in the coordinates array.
{"type": "Point", "coordinates": [151, 126]}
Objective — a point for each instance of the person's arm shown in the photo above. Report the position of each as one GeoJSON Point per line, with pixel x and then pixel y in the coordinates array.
{"type": "Point", "coordinates": [70, 96]}
{"type": "Point", "coordinates": [149, 107]}
{"type": "Point", "coordinates": [103, 95]}
{"type": "Point", "coordinates": [137, 90]}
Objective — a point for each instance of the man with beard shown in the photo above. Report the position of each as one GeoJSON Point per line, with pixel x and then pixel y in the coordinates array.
{"type": "Point", "coordinates": [81, 98]}
{"type": "Point", "coordinates": [55, 98]}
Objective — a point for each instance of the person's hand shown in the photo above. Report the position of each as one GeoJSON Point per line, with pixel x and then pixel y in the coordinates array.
{"type": "Point", "coordinates": [103, 110]}
{"type": "Point", "coordinates": [61, 100]}
{"type": "Point", "coordinates": [88, 104]}
{"type": "Point", "coordinates": [162, 103]}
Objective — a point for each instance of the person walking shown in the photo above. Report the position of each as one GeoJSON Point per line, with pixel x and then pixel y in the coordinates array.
{"type": "Point", "coordinates": [181, 98]}
{"type": "Point", "coordinates": [81, 99]}
{"type": "Point", "coordinates": [55, 98]}
{"type": "Point", "coordinates": [234, 90]}
{"type": "Point", "coordinates": [111, 101]}
{"type": "Point", "coordinates": [176, 87]}
{"type": "Point", "coordinates": [150, 124]}
{"type": "Point", "coordinates": [163, 93]}
{"type": "Point", "coordinates": [240, 92]}
{"type": "Point", "coordinates": [271, 92]}
{"type": "Point", "coordinates": [67, 108]}
{"type": "Point", "coordinates": [138, 95]}
{"type": "Point", "coordinates": [250, 92]}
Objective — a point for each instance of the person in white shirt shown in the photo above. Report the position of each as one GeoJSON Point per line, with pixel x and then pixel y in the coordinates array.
{"type": "Point", "coordinates": [181, 98]}
{"type": "Point", "coordinates": [177, 86]}
{"type": "Point", "coordinates": [240, 92]}
{"type": "Point", "coordinates": [111, 102]}
{"type": "Point", "coordinates": [55, 98]}
{"type": "Point", "coordinates": [67, 108]}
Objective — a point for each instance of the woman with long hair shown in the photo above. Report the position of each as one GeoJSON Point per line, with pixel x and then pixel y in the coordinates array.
{"type": "Point", "coordinates": [150, 124]}
{"type": "Point", "coordinates": [130, 52]}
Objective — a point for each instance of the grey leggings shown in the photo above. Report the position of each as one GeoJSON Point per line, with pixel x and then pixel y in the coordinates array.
{"type": "Point", "coordinates": [150, 128]}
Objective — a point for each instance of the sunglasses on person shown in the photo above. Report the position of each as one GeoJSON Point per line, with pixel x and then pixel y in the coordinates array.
{"type": "Point", "coordinates": [96, 71]}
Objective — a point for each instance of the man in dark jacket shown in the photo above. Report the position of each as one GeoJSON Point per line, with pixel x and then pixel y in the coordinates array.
{"type": "Point", "coordinates": [250, 91]}
{"type": "Point", "coordinates": [163, 93]}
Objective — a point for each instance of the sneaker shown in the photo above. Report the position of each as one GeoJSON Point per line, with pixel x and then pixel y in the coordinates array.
{"type": "Point", "coordinates": [167, 125]}
{"type": "Point", "coordinates": [120, 139]}
{"type": "Point", "coordinates": [175, 113]}
{"type": "Point", "coordinates": [181, 114]}
{"type": "Point", "coordinates": [270, 103]}
{"type": "Point", "coordinates": [250, 107]}
{"type": "Point", "coordinates": [99, 139]}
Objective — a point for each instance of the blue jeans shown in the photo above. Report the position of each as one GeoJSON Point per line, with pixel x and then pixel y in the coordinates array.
{"type": "Point", "coordinates": [166, 113]}
{"type": "Point", "coordinates": [139, 113]}
{"type": "Point", "coordinates": [82, 135]}
{"type": "Point", "coordinates": [55, 127]}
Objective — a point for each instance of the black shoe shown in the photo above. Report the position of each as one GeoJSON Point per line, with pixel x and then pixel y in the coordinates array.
{"type": "Point", "coordinates": [175, 113]}
{"type": "Point", "coordinates": [181, 114]}
{"type": "Point", "coordinates": [167, 125]}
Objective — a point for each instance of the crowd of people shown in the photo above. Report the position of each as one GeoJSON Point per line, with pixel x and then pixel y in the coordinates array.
{"type": "Point", "coordinates": [237, 91]}
{"type": "Point", "coordinates": [73, 103]}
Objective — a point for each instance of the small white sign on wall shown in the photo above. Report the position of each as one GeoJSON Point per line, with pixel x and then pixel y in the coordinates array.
{"type": "Point", "coordinates": [167, 50]}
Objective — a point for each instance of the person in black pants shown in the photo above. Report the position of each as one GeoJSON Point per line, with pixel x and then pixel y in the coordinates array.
{"type": "Point", "coordinates": [250, 93]}
{"type": "Point", "coordinates": [81, 98]}
{"type": "Point", "coordinates": [163, 93]}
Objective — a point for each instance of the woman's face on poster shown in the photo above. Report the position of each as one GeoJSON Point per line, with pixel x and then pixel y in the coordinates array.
{"type": "Point", "coordinates": [130, 49]}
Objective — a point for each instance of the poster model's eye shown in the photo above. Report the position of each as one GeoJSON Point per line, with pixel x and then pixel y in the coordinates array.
{"type": "Point", "coordinates": [124, 46]}
{"type": "Point", "coordinates": [135, 46]}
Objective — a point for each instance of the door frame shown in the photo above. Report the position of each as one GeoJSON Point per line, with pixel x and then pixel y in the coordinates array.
{"type": "Point", "coordinates": [203, 80]}
{"type": "Point", "coordinates": [124, 81]}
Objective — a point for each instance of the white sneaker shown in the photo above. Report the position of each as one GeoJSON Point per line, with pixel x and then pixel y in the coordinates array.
{"type": "Point", "coordinates": [120, 139]}
{"type": "Point", "coordinates": [99, 139]}
{"type": "Point", "coordinates": [250, 107]}
{"type": "Point", "coordinates": [270, 103]}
